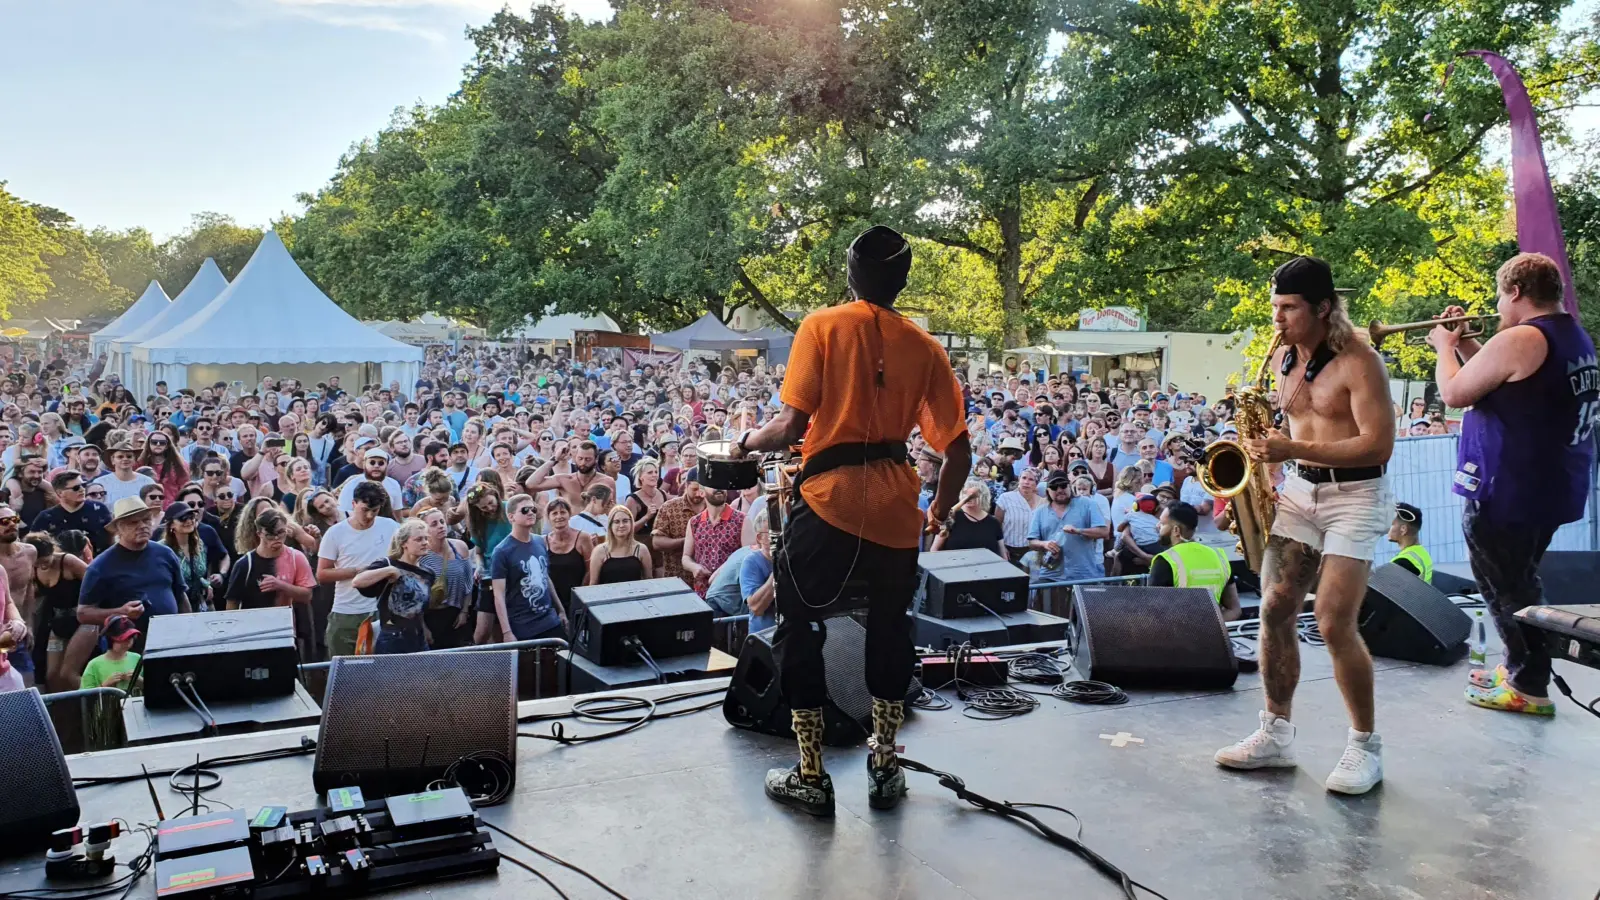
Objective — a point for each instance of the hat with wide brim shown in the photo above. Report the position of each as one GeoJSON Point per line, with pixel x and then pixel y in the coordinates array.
{"type": "Point", "coordinates": [127, 508]}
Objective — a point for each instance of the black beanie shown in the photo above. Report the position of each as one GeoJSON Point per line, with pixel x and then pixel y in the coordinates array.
{"type": "Point", "coordinates": [879, 261]}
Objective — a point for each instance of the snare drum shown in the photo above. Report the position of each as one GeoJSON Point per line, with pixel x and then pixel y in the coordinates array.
{"type": "Point", "coordinates": [720, 471]}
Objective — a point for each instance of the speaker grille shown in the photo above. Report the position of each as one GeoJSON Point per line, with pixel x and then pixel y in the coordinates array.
{"type": "Point", "coordinates": [1153, 636]}
{"type": "Point", "coordinates": [1404, 617]}
{"type": "Point", "coordinates": [394, 723]}
{"type": "Point", "coordinates": [34, 780]}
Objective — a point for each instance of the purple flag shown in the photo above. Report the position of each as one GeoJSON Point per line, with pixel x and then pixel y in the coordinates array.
{"type": "Point", "coordinates": [1538, 222]}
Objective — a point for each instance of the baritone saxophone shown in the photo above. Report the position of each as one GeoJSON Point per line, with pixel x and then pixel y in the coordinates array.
{"type": "Point", "coordinates": [1227, 471]}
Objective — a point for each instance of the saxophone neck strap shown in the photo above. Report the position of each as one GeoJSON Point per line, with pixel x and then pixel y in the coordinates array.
{"type": "Point", "coordinates": [1318, 361]}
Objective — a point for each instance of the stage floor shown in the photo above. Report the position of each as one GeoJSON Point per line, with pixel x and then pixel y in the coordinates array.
{"type": "Point", "coordinates": [1476, 804]}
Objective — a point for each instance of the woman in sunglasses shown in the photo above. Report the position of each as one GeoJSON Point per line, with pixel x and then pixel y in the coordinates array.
{"type": "Point", "coordinates": [161, 456]}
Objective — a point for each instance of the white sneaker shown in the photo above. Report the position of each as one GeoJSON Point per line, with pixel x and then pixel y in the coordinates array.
{"type": "Point", "coordinates": [1269, 747]}
{"type": "Point", "coordinates": [1360, 768]}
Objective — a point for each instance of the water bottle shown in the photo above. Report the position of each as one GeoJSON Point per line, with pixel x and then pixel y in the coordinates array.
{"type": "Point", "coordinates": [1480, 640]}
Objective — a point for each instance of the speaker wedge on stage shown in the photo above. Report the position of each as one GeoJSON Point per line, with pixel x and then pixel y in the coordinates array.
{"type": "Point", "coordinates": [1152, 637]}
{"type": "Point", "coordinates": [755, 695]}
{"type": "Point", "coordinates": [665, 615]}
{"type": "Point", "coordinates": [1404, 617]}
{"type": "Point", "coordinates": [39, 797]}
{"type": "Point", "coordinates": [393, 724]}
{"type": "Point", "coordinates": [955, 584]}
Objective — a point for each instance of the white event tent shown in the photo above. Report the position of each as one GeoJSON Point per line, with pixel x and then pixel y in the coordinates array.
{"type": "Point", "coordinates": [150, 304]}
{"type": "Point", "coordinates": [272, 321]}
{"type": "Point", "coordinates": [202, 289]}
{"type": "Point", "coordinates": [561, 327]}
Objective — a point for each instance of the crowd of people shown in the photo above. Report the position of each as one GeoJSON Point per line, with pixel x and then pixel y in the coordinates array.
{"type": "Point", "coordinates": [467, 507]}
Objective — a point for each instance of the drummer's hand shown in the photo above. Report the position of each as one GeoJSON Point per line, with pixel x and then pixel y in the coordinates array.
{"type": "Point", "coordinates": [936, 520]}
{"type": "Point", "coordinates": [735, 447]}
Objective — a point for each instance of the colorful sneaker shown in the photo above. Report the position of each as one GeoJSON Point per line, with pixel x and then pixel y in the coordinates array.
{"type": "Point", "coordinates": [1269, 747]}
{"type": "Point", "coordinates": [1504, 697]}
{"type": "Point", "coordinates": [1486, 679]}
{"type": "Point", "coordinates": [885, 786]}
{"type": "Point", "coordinates": [1360, 768]}
{"type": "Point", "coordinates": [789, 787]}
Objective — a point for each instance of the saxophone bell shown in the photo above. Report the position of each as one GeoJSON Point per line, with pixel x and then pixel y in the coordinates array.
{"type": "Point", "coordinates": [1225, 469]}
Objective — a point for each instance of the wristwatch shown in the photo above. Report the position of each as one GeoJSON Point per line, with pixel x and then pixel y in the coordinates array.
{"type": "Point", "coordinates": [740, 443]}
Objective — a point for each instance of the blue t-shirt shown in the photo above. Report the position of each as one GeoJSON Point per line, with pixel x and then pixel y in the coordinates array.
{"type": "Point", "coordinates": [1080, 556]}
{"type": "Point", "coordinates": [153, 576]}
{"type": "Point", "coordinates": [724, 591]}
{"type": "Point", "coordinates": [457, 420]}
{"type": "Point", "coordinates": [753, 573]}
{"type": "Point", "coordinates": [530, 598]}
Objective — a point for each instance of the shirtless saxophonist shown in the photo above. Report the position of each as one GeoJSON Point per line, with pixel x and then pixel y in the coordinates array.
{"type": "Point", "coordinates": [1333, 505]}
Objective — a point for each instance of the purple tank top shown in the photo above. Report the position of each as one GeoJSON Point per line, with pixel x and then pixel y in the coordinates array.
{"type": "Point", "coordinates": [1527, 449]}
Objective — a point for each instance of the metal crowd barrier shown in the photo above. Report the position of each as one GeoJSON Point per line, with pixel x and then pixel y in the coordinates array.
{"type": "Point", "coordinates": [81, 694]}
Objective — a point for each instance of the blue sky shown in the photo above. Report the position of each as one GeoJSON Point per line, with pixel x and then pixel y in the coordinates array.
{"type": "Point", "coordinates": [144, 112]}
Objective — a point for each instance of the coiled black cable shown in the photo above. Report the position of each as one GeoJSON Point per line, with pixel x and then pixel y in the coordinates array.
{"type": "Point", "coordinates": [1096, 692]}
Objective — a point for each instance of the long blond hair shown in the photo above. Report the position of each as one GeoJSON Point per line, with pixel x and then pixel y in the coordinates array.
{"type": "Point", "coordinates": [1341, 331]}
{"type": "Point", "coordinates": [615, 547]}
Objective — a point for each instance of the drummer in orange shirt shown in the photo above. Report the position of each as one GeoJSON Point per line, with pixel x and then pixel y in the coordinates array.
{"type": "Point", "coordinates": [860, 377]}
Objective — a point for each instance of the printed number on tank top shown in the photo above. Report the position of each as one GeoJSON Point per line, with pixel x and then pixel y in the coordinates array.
{"type": "Point", "coordinates": [1587, 413]}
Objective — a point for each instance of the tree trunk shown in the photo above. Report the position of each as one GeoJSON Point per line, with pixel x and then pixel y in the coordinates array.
{"type": "Point", "coordinates": [1012, 305]}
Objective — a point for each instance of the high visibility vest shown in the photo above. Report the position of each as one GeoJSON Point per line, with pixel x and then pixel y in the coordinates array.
{"type": "Point", "coordinates": [1417, 555]}
{"type": "Point", "coordinates": [1196, 565]}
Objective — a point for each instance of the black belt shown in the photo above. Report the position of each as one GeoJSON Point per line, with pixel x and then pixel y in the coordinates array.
{"type": "Point", "coordinates": [839, 455]}
{"type": "Point", "coordinates": [1324, 474]}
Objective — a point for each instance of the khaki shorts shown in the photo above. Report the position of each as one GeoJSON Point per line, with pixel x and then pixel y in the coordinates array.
{"type": "Point", "coordinates": [1336, 519]}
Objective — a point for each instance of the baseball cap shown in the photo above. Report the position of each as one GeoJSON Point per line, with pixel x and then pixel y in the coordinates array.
{"type": "Point", "coordinates": [1059, 479]}
{"type": "Point", "coordinates": [1145, 503]}
{"type": "Point", "coordinates": [1078, 465]}
{"type": "Point", "coordinates": [1308, 276]}
{"type": "Point", "coordinates": [119, 628]}
{"type": "Point", "coordinates": [1423, 422]}
{"type": "Point", "coordinates": [375, 453]}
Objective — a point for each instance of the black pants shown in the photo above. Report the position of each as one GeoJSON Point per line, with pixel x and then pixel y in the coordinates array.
{"type": "Point", "coordinates": [812, 565]}
{"type": "Point", "coordinates": [1505, 562]}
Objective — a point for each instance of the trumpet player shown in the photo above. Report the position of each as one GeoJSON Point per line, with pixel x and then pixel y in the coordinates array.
{"type": "Point", "coordinates": [1333, 505]}
{"type": "Point", "coordinates": [1524, 457]}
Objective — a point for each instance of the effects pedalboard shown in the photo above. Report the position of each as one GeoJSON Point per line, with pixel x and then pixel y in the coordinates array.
{"type": "Point", "coordinates": [351, 847]}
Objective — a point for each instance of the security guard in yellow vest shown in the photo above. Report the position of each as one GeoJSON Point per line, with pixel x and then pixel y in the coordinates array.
{"type": "Point", "coordinates": [1188, 563]}
{"type": "Point", "coordinates": [1404, 530]}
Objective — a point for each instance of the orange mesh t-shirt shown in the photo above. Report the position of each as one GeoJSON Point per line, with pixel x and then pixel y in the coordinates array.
{"type": "Point", "coordinates": [832, 377]}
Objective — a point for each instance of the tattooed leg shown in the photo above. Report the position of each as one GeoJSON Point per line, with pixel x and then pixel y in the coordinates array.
{"type": "Point", "coordinates": [1287, 573]}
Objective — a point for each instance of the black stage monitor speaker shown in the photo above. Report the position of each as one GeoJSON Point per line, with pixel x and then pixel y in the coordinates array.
{"type": "Point", "coordinates": [1026, 627]}
{"type": "Point", "coordinates": [955, 582]}
{"type": "Point", "coordinates": [1570, 577]}
{"type": "Point", "coordinates": [755, 697]}
{"type": "Point", "coordinates": [393, 724]}
{"type": "Point", "coordinates": [664, 615]}
{"type": "Point", "coordinates": [34, 780]}
{"type": "Point", "coordinates": [246, 654]}
{"type": "Point", "coordinates": [1404, 617]}
{"type": "Point", "coordinates": [1152, 637]}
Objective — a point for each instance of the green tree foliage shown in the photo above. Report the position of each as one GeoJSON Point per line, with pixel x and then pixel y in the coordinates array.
{"type": "Point", "coordinates": [131, 258]}
{"type": "Point", "coordinates": [211, 235]}
{"type": "Point", "coordinates": [79, 284]}
{"type": "Point", "coordinates": [24, 244]}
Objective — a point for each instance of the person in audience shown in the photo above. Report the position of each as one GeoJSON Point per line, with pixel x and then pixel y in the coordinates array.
{"type": "Point", "coordinates": [1188, 563]}
{"type": "Point", "coordinates": [58, 572]}
{"type": "Point", "coordinates": [1138, 537]}
{"type": "Point", "coordinates": [374, 470]}
{"type": "Point", "coordinates": [114, 668]}
{"type": "Point", "coordinates": [620, 557]}
{"type": "Point", "coordinates": [1406, 531]}
{"type": "Point", "coordinates": [181, 535]}
{"type": "Point", "coordinates": [399, 587]}
{"type": "Point", "coordinates": [134, 577]}
{"type": "Point", "coordinates": [756, 588]}
{"type": "Point", "coordinates": [596, 512]}
{"type": "Point", "coordinates": [1067, 533]}
{"type": "Point", "coordinates": [450, 599]}
{"type": "Point", "coordinates": [348, 549]}
{"type": "Point", "coordinates": [713, 536]}
{"type": "Point", "coordinates": [569, 550]}
{"type": "Point", "coordinates": [525, 600]}
{"type": "Point", "coordinates": [970, 527]}
{"type": "Point", "coordinates": [1015, 509]}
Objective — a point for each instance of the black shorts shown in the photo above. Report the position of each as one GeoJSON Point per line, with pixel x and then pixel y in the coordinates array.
{"type": "Point", "coordinates": [815, 578]}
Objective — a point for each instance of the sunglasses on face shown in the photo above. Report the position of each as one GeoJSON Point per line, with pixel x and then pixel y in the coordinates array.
{"type": "Point", "coordinates": [213, 473]}
{"type": "Point", "coordinates": [10, 520]}
{"type": "Point", "coordinates": [97, 495]}
{"type": "Point", "coordinates": [72, 487]}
